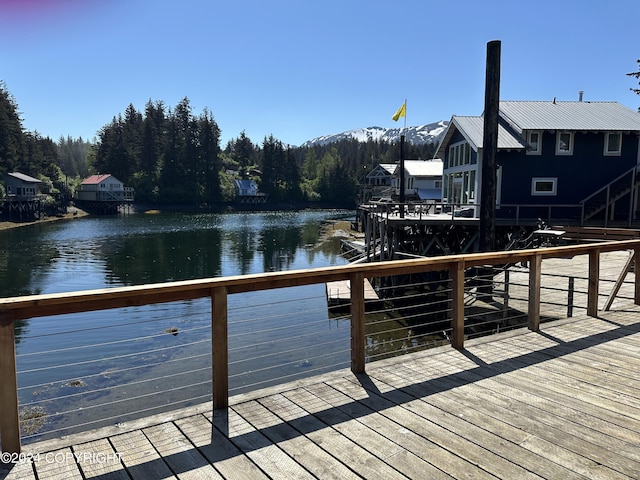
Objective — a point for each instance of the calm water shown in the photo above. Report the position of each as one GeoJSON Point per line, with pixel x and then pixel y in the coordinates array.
{"type": "Point", "coordinates": [132, 357]}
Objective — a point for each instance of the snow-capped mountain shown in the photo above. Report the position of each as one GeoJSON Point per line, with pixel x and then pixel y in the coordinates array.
{"type": "Point", "coordinates": [421, 134]}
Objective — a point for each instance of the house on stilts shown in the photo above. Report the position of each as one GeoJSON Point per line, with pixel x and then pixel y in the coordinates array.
{"type": "Point", "coordinates": [23, 200]}
{"type": "Point", "coordinates": [103, 194]}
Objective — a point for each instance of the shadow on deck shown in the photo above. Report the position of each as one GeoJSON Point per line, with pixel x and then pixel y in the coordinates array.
{"type": "Point", "coordinates": [560, 403]}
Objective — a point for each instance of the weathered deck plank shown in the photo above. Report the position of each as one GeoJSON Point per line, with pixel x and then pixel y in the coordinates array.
{"type": "Point", "coordinates": [562, 403]}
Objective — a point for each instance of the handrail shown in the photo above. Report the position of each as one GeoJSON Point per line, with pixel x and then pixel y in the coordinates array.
{"type": "Point", "coordinates": [218, 289]}
{"type": "Point", "coordinates": [620, 177]}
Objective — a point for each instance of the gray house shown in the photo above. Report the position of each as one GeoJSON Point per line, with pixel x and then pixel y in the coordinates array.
{"type": "Point", "coordinates": [21, 187]}
{"type": "Point", "coordinates": [22, 197]}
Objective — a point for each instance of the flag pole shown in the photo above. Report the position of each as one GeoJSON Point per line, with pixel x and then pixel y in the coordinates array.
{"type": "Point", "coordinates": [402, 179]}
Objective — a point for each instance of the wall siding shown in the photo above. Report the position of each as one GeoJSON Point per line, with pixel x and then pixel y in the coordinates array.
{"type": "Point", "coordinates": [579, 175]}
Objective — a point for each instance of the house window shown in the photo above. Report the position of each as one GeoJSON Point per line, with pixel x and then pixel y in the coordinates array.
{"type": "Point", "coordinates": [613, 144]}
{"type": "Point", "coordinates": [472, 185]}
{"type": "Point", "coordinates": [459, 154]}
{"type": "Point", "coordinates": [437, 184]}
{"type": "Point", "coordinates": [534, 139]}
{"type": "Point", "coordinates": [544, 186]}
{"type": "Point", "coordinates": [564, 143]}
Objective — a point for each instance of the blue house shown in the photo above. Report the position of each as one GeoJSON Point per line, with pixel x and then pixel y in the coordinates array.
{"type": "Point", "coordinates": [576, 161]}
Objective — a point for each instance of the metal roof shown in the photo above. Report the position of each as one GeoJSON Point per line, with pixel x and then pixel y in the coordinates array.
{"type": "Point", "coordinates": [23, 177]}
{"type": "Point", "coordinates": [96, 179]}
{"type": "Point", "coordinates": [424, 168]}
{"type": "Point", "coordinates": [472, 129]}
{"type": "Point", "coordinates": [556, 115]}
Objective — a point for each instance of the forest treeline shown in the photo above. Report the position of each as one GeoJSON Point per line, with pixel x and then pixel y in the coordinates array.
{"type": "Point", "coordinates": [171, 155]}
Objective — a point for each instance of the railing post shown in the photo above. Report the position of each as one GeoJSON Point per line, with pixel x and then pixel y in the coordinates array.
{"type": "Point", "coordinates": [606, 212]}
{"type": "Point", "coordinates": [219, 347]}
{"type": "Point", "coordinates": [594, 281]}
{"type": "Point", "coordinates": [356, 281]}
{"type": "Point", "coordinates": [505, 295]}
{"type": "Point", "coordinates": [456, 272]}
{"type": "Point", "coordinates": [636, 274]}
{"type": "Point", "coordinates": [10, 418]}
{"type": "Point", "coordinates": [570, 291]}
{"type": "Point", "coordinates": [533, 316]}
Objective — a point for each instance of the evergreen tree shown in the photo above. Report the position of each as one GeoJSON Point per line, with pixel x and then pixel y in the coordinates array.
{"type": "Point", "coordinates": [72, 155]}
{"type": "Point", "coordinates": [272, 156]}
{"type": "Point", "coordinates": [152, 151]}
{"type": "Point", "coordinates": [244, 152]}
{"type": "Point", "coordinates": [209, 157]}
{"type": "Point", "coordinates": [11, 133]}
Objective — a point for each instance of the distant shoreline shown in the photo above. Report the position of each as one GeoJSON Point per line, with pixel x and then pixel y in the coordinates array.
{"type": "Point", "coordinates": [72, 212]}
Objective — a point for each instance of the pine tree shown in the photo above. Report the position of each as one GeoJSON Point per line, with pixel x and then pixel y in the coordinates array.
{"type": "Point", "coordinates": [11, 132]}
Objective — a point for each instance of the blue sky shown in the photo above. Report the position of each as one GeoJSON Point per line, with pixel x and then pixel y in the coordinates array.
{"type": "Point", "coordinates": [299, 69]}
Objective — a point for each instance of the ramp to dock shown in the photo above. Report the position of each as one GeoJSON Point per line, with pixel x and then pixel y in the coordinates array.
{"type": "Point", "coordinates": [339, 292]}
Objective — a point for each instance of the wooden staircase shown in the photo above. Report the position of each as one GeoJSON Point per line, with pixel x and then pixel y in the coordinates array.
{"type": "Point", "coordinates": [606, 198]}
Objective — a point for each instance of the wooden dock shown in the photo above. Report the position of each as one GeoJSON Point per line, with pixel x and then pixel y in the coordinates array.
{"type": "Point", "coordinates": [339, 292]}
{"type": "Point", "coordinates": [563, 403]}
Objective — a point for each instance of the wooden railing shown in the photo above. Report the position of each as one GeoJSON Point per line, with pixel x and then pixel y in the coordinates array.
{"type": "Point", "coordinates": [17, 308]}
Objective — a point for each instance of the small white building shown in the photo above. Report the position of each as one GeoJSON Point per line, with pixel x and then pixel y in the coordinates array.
{"type": "Point", "coordinates": [422, 179]}
{"type": "Point", "coordinates": [246, 188]}
{"type": "Point", "coordinates": [103, 188]}
{"type": "Point", "coordinates": [247, 192]}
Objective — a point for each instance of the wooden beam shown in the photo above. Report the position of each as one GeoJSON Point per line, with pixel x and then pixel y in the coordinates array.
{"type": "Point", "coordinates": [594, 282]}
{"type": "Point", "coordinates": [358, 354]}
{"type": "Point", "coordinates": [220, 347]}
{"type": "Point", "coordinates": [10, 418]}
{"type": "Point", "coordinates": [623, 274]}
{"type": "Point", "coordinates": [456, 271]}
{"type": "Point", "coordinates": [535, 269]}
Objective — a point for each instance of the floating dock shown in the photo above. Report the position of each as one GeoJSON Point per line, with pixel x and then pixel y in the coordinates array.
{"type": "Point", "coordinates": [339, 292]}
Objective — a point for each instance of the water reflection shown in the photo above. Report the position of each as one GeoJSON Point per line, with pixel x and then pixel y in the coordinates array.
{"type": "Point", "coordinates": [23, 261]}
{"type": "Point", "coordinates": [171, 256]}
{"type": "Point", "coordinates": [99, 252]}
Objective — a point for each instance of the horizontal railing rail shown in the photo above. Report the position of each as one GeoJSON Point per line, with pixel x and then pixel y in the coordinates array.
{"type": "Point", "coordinates": [218, 289]}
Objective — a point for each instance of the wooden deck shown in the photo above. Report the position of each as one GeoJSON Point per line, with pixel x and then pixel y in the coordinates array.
{"type": "Point", "coordinates": [560, 404]}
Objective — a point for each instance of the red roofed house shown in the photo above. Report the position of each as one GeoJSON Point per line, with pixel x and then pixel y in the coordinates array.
{"type": "Point", "coordinates": [103, 193]}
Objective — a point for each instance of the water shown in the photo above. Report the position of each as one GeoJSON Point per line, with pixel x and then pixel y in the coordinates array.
{"type": "Point", "coordinates": [135, 363]}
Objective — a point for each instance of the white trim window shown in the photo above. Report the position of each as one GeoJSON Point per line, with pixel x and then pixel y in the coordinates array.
{"type": "Point", "coordinates": [613, 144]}
{"type": "Point", "coordinates": [544, 186]}
{"type": "Point", "coordinates": [564, 143]}
{"type": "Point", "coordinates": [459, 154]}
{"type": "Point", "coordinates": [534, 139]}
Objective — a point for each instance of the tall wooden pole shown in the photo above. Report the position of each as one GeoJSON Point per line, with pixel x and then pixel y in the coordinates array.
{"type": "Point", "coordinates": [487, 240]}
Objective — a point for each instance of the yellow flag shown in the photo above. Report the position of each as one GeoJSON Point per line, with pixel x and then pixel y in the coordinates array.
{"type": "Point", "coordinates": [402, 112]}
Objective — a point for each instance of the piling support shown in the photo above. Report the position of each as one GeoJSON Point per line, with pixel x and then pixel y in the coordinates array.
{"type": "Point", "coordinates": [487, 238]}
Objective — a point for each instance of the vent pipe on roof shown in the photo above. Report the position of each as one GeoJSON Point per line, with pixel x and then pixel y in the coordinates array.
{"type": "Point", "coordinates": [580, 94]}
